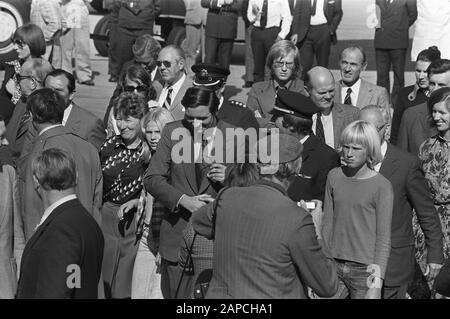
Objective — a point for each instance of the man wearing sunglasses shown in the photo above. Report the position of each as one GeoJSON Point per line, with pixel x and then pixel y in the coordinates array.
{"type": "Point", "coordinates": [171, 65]}
{"type": "Point", "coordinates": [30, 79]}
{"type": "Point", "coordinates": [293, 114]}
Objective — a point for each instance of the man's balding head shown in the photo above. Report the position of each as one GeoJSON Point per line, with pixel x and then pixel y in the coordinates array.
{"type": "Point", "coordinates": [32, 75]}
{"type": "Point", "coordinates": [319, 83]}
{"type": "Point", "coordinates": [378, 117]}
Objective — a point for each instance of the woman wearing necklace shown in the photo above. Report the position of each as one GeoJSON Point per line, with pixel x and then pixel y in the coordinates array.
{"type": "Point", "coordinates": [124, 160]}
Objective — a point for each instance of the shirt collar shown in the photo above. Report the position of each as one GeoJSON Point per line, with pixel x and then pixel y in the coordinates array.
{"type": "Point", "coordinates": [355, 87]}
{"type": "Point", "coordinates": [177, 85]}
{"type": "Point", "coordinates": [49, 128]}
{"type": "Point", "coordinates": [53, 206]}
{"type": "Point", "coordinates": [384, 146]}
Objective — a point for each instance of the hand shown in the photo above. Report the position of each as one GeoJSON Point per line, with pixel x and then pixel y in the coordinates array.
{"type": "Point", "coordinates": [294, 38]}
{"type": "Point", "coordinates": [373, 293]}
{"type": "Point", "coordinates": [434, 270]}
{"type": "Point", "coordinates": [125, 208]}
{"type": "Point", "coordinates": [193, 203]}
{"type": "Point", "coordinates": [255, 9]}
{"type": "Point", "coordinates": [216, 173]}
{"type": "Point", "coordinates": [11, 86]}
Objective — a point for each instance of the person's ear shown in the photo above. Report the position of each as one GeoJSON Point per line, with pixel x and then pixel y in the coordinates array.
{"type": "Point", "coordinates": [364, 66]}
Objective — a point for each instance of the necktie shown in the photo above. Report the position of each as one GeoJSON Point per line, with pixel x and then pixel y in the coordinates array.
{"type": "Point", "coordinates": [200, 168]}
{"type": "Point", "coordinates": [348, 98]}
{"type": "Point", "coordinates": [23, 125]}
{"type": "Point", "coordinates": [168, 100]}
{"type": "Point", "coordinates": [313, 8]}
{"type": "Point", "coordinates": [263, 19]}
{"type": "Point", "coordinates": [319, 128]}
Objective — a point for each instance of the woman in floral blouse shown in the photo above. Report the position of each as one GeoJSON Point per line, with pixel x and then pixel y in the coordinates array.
{"type": "Point", "coordinates": [124, 159]}
{"type": "Point", "coordinates": [435, 156]}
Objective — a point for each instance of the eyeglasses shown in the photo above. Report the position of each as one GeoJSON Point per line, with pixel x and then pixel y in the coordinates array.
{"type": "Point", "coordinates": [381, 127]}
{"type": "Point", "coordinates": [139, 88]}
{"type": "Point", "coordinates": [19, 43]}
{"type": "Point", "coordinates": [167, 64]}
{"type": "Point", "coordinates": [20, 77]}
{"type": "Point", "coordinates": [279, 65]}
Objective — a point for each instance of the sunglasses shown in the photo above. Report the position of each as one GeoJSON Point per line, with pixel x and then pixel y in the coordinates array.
{"type": "Point", "coordinates": [279, 64]}
{"type": "Point", "coordinates": [20, 78]}
{"type": "Point", "coordinates": [167, 64]}
{"type": "Point", "coordinates": [19, 43]}
{"type": "Point", "coordinates": [139, 88]}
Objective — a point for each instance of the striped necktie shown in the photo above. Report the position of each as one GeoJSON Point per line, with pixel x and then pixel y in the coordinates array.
{"type": "Point", "coordinates": [348, 97]}
{"type": "Point", "coordinates": [168, 100]}
{"type": "Point", "coordinates": [320, 133]}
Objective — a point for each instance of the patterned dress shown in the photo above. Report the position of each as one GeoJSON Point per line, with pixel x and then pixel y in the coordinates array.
{"type": "Point", "coordinates": [123, 170]}
{"type": "Point", "coordinates": [435, 157]}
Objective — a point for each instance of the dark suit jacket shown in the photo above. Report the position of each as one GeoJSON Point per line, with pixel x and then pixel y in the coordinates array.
{"type": "Point", "coordinates": [90, 180]}
{"type": "Point", "coordinates": [69, 236]}
{"type": "Point", "coordinates": [343, 115]}
{"type": "Point", "coordinates": [6, 109]}
{"type": "Point", "coordinates": [415, 128]}
{"type": "Point", "coordinates": [262, 95]}
{"type": "Point", "coordinates": [395, 19]}
{"type": "Point", "coordinates": [369, 94]}
{"type": "Point", "coordinates": [302, 17]}
{"type": "Point", "coordinates": [221, 22]}
{"type": "Point", "coordinates": [265, 246]}
{"type": "Point", "coordinates": [318, 160]}
{"type": "Point", "coordinates": [410, 191]}
{"type": "Point", "coordinates": [406, 98]}
{"type": "Point", "coordinates": [167, 181]}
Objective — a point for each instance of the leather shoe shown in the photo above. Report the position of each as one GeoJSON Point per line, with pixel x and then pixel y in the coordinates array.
{"type": "Point", "coordinates": [89, 82]}
{"type": "Point", "coordinates": [113, 78]}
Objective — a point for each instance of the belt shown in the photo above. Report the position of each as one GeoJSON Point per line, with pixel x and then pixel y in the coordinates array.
{"type": "Point", "coordinates": [223, 10]}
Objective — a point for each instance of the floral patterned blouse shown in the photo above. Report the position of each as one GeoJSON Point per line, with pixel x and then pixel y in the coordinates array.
{"type": "Point", "coordinates": [123, 170]}
{"type": "Point", "coordinates": [18, 92]}
{"type": "Point", "coordinates": [435, 156]}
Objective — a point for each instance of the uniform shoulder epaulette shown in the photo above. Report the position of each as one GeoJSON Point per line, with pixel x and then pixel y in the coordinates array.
{"type": "Point", "coordinates": [237, 103]}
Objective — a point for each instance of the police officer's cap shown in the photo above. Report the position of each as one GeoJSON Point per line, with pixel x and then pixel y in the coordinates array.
{"type": "Point", "coordinates": [296, 104]}
{"type": "Point", "coordinates": [209, 74]}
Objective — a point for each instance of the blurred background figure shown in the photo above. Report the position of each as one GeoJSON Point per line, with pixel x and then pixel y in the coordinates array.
{"type": "Point", "coordinates": [195, 21]}
{"type": "Point", "coordinates": [416, 93]}
{"type": "Point", "coordinates": [47, 15]}
{"type": "Point", "coordinates": [221, 30]}
{"type": "Point", "coordinates": [432, 27]}
{"type": "Point", "coordinates": [249, 60]}
{"type": "Point", "coordinates": [75, 44]}
{"type": "Point", "coordinates": [29, 42]}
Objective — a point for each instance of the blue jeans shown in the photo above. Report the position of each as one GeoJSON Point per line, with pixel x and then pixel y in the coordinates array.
{"type": "Point", "coordinates": [352, 279]}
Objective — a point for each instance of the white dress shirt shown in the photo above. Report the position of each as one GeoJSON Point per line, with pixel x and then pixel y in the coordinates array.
{"type": "Point", "coordinates": [277, 11]}
{"type": "Point", "coordinates": [53, 206]}
{"type": "Point", "coordinates": [355, 91]}
{"type": "Point", "coordinates": [67, 114]}
{"type": "Point", "coordinates": [175, 88]}
{"type": "Point", "coordinates": [303, 140]}
{"type": "Point", "coordinates": [383, 154]}
{"type": "Point", "coordinates": [319, 17]}
{"type": "Point", "coordinates": [327, 123]}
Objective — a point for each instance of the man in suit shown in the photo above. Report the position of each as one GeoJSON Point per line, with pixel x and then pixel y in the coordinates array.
{"type": "Point", "coordinates": [411, 191]}
{"type": "Point", "coordinates": [293, 116]}
{"type": "Point", "coordinates": [352, 89]}
{"type": "Point", "coordinates": [265, 246]}
{"type": "Point", "coordinates": [214, 77]}
{"type": "Point", "coordinates": [332, 117]}
{"type": "Point", "coordinates": [31, 78]}
{"type": "Point", "coordinates": [82, 122]}
{"type": "Point", "coordinates": [314, 28]}
{"type": "Point", "coordinates": [184, 184]}
{"type": "Point", "coordinates": [416, 125]}
{"type": "Point", "coordinates": [47, 109]}
{"type": "Point", "coordinates": [220, 31]}
{"type": "Point", "coordinates": [63, 259]}
{"type": "Point", "coordinates": [392, 40]}
{"type": "Point", "coordinates": [171, 64]}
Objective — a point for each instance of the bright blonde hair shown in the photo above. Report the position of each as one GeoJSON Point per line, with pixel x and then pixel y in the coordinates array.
{"type": "Point", "coordinates": [366, 135]}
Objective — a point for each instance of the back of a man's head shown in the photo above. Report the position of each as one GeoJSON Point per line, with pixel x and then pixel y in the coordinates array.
{"type": "Point", "coordinates": [55, 169]}
{"type": "Point", "coordinates": [46, 106]}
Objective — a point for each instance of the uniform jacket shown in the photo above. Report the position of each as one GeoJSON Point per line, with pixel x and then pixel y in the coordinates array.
{"type": "Point", "coordinates": [167, 181]}
{"type": "Point", "coordinates": [318, 160]}
{"type": "Point", "coordinates": [343, 115]}
{"type": "Point", "coordinates": [69, 236]}
{"type": "Point", "coordinates": [139, 14]}
{"type": "Point", "coordinates": [395, 19]}
{"type": "Point", "coordinates": [265, 246]}
{"type": "Point", "coordinates": [262, 95]}
{"type": "Point", "coordinates": [302, 17]}
{"type": "Point", "coordinates": [410, 191]}
{"type": "Point", "coordinates": [221, 22]}
{"type": "Point", "coordinates": [12, 238]}
{"type": "Point", "coordinates": [415, 128]}
{"type": "Point", "coordinates": [90, 180]}
{"type": "Point", "coordinates": [369, 94]}
{"type": "Point", "coordinates": [235, 113]}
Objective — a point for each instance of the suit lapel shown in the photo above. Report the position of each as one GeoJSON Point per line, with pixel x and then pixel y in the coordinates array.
{"type": "Point", "coordinates": [389, 164]}
{"type": "Point", "coordinates": [74, 120]}
{"type": "Point", "coordinates": [176, 103]}
{"type": "Point", "coordinates": [337, 92]}
{"type": "Point", "coordinates": [338, 121]}
{"type": "Point", "coordinates": [364, 94]}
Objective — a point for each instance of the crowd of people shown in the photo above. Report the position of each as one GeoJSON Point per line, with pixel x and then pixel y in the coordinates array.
{"type": "Point", "coordinates": [157, 200]}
